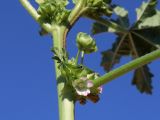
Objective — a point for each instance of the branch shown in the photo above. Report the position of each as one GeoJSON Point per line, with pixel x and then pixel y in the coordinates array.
{"type": "Point", "coordinates": [32, 11]}
{"type": "Point", "coordinates": [76, 12]}
{"type": "Point", "coordinates": [73, 17]}
{"type": "Point", "coordinates": [126, 68]}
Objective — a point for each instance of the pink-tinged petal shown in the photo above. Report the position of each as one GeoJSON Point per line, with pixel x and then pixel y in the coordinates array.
{"type": "Point", "coordinates": [100, 89]}
{"type": "Point", "coordinates": [89, 83]}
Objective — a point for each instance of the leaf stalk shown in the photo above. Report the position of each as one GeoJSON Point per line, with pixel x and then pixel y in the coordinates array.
{"type": "Point", "coordinates": [126, 68]}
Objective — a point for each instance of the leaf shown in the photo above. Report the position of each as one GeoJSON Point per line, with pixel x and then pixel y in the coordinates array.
{"type": "Point", "coordinates": [107, 1]}
{"type": "Point", "coordinates": [122, 20]}
{"type": "Point", "coordinates": [107, 59]}
{"type": "Point", "coordinates": [142, 79]}
{"type": "Point", "coordinates": [130, 44]}
{"type": "Point", "coordinates": [99, 28]}
{"type": "Point", "coordinates": [149, 22]}
{"type": "Point", "coordinates": [57, 58]}
{"type": "Point", "coordinates": [122, 14]}
{"type": "Point", "coordinates": [151, 35]}
{"type": "Point", "coordinates": [140, 38]}
{"type": "Point", "coordinates": [147, 9]}
{"type": "Point", "coordinates": [112, 56]}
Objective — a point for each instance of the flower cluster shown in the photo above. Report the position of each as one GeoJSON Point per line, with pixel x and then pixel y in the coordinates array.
{"type": "Point", "coordinates": [53, 11]}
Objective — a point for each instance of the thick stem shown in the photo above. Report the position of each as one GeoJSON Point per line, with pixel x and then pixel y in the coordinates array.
{"type": "Point", "coordinates": [126, 68]}
{"type": "Point", "coordinates": [65, 96]}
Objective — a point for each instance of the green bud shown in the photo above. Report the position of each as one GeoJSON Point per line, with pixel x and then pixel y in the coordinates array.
{"type": "Point", "coordinates": [86, 43]}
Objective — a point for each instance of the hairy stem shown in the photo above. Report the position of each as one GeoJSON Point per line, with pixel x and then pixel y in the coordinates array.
{"type": "Point", "coordinates": [32, 11]}
{"type": "Point", "coordinates": [65, 95]}
{"type": "Point", "coordinates": [126, 68]}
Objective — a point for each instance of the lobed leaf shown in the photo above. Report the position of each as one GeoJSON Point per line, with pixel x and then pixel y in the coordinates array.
{"type": "Point", "coordinates": [141, 38]}
{"type": "Point", "coordinates": [142, 79]}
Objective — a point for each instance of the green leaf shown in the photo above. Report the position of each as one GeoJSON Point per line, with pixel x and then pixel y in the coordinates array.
{"type": "Point", "coordinates": [131, 44]}
{"type": "Point", "coordinates": [69, 68]}
{"type": "Point", "coordinates": [107, 59]}
{"type": "Point", "coordinates": [107, 1]}
{"type": "Point", "coordinates": [142, 79]}
{"type": "Point", "coordinates": [98, 28]}
{"type": "Point", "coordinates": [153, 21]}
{"type": "Point", "coordinates": [122, 15]}
{"type": "Point", "coordinates": [112, 56]}
{"type": "Point", "coordinates": [146, 10]}
{"type": "Point", "coordinates": [122, 20]}
{"type": "Point", "coordinates": [141, 38]}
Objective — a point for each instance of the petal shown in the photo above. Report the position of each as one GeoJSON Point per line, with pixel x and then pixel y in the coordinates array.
{"type": "Point", "coordinates": [89, 83]}
{"type": "Point", "coordinates": [83, 93]}
{"type": "Point", "coordinates": [100, 89]}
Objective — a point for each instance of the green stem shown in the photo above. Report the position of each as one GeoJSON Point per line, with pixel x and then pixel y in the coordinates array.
{"type": "Point", "coordinates": [82, 57]}
{"type": "Point", "coordinates": [32, 11]}
{"type": "Point", "coordinates": [65, 97]}
{"type": "Point", "coordinates": [75, 14]}
{"type": "Point", "coordinates": [77, 56]}
{"type": "Point", "coordinates": [126, 68]}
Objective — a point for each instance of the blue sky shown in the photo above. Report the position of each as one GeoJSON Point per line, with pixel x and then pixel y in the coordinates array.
{"type": "Point", "coordinates": [27, 78]}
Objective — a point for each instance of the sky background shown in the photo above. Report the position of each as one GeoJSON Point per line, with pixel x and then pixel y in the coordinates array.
{"type": "Point", "coordinates": [27, 78]}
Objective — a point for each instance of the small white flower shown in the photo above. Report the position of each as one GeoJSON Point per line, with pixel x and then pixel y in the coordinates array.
{"type": "Point", "coordinates": [82, 86]}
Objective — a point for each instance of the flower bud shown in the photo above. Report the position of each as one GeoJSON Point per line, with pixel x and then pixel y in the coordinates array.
{"type": "Point", "coordinates": [86, 43]}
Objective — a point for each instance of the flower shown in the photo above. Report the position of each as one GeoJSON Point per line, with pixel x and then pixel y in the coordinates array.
{"type": "Point", "coordinates": [82, 86]}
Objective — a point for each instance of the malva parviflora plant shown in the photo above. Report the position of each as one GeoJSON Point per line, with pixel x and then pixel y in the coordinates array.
{"type": "Point", "coordinates": [77, 82]}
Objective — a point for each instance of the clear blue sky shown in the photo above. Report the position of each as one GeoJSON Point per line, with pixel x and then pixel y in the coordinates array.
{"type": "Point", "coordinates": [27, 79]}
